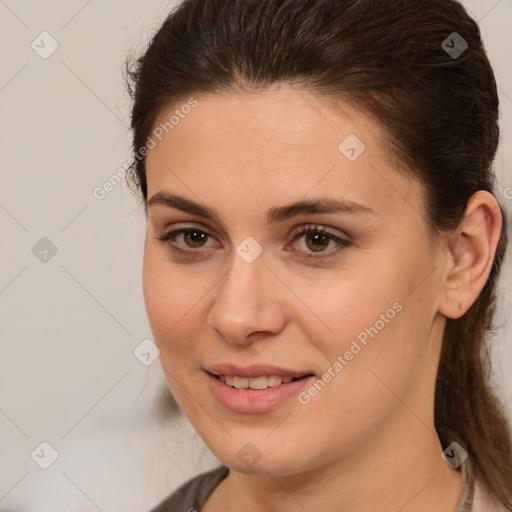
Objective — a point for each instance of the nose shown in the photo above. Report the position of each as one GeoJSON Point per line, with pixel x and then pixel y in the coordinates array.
{"type": "Point", "coordinates": [247, 303]}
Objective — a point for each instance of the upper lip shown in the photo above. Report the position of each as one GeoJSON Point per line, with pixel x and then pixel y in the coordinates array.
{"type": "Point", "coordinates": [254, 370]}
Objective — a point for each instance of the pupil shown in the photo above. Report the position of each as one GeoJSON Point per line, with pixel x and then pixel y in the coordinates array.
{"type": "Point", "coordinates": [318, 237]}
{"type": "Point", "coordinates": [195, 236]}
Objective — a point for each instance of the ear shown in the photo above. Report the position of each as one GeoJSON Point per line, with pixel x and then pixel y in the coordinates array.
{"type": "Point", "coordinates": [470, 254]}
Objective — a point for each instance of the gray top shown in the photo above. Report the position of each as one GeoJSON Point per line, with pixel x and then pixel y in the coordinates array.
{"type": "Point", "coordinates": [192, 495]}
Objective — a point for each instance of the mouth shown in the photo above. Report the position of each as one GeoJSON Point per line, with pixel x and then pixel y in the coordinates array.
{"type": "Point", "coordinates": [255, 389]}
{"type": "Point", "coordinates": [257, 383]}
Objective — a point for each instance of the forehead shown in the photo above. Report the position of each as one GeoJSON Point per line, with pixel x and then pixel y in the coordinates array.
{"type": "Point", "coordinates": [279, 119]}
{"type": "Point", "coordinates": [274, 147]}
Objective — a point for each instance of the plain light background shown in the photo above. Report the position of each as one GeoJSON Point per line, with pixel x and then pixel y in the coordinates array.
{"type": "Point", "coordinates": [71, 323]}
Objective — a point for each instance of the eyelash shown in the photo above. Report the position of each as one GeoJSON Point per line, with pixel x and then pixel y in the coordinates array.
{"type": "Point", "coordinates": [168, 239]}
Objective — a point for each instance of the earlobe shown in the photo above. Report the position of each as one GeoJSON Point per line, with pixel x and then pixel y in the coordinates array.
{"type": "Point", "coordinates": [470, 254]}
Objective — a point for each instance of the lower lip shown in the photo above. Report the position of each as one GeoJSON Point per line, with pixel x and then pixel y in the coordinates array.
{"type": "Point", "coordinates": [255, 400]}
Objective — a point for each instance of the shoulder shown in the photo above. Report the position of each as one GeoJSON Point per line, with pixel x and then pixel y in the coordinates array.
{"type": "Point", "coordinates": [193, 493]}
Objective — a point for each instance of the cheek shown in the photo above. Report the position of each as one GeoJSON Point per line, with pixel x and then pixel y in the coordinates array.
{"type": "Point", "coordinates": [359, 306]}
{"type": "Point", "coordinates": [171, 304]}
{"type": "Point", "coordinates": [165, 295]}
{"type": "Point", "coordinates": [175, 301]}
{"type": "Point", "coordinates": [373, 360]}
{"type": "Point", "coordinates": [158, 300]}
{"type": "Point", "coordinates": [375, 323]}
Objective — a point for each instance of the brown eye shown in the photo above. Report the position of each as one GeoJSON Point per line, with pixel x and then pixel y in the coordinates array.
{"type": "Point", "coordinates": [185, 239]}
{"type": "Point", "coordinates": [317, 241]}
{"type": "Point", "coordinates": [195, 238]}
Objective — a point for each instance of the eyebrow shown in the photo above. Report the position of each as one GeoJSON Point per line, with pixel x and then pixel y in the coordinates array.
{"type": "Point", "coordinates": [274, 215]}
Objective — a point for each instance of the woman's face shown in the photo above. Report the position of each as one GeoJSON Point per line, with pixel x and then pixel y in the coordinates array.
{"type": "Point", "coordinates": [350, 311]}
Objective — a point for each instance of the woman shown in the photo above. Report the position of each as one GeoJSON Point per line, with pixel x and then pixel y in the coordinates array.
{"type": "Point", "coordinates": [322, 251]}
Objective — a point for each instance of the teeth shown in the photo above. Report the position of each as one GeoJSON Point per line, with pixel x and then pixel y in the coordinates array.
{"type": "Point", "coordinates": [262, 382]}
{"type": "Point", "coordinates": [257, 382]}
{"type": "Point", "coordinates": [240, 382]}
{"type": "Point", "coordinates": [274, 380]}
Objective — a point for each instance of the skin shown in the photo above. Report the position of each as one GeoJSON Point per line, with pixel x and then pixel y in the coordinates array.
{"type": "Point", "coordinates": [367, 441]}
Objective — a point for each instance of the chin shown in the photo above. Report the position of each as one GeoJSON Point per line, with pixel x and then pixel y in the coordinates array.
{"type": "Point", "coordinates": [248, 460]}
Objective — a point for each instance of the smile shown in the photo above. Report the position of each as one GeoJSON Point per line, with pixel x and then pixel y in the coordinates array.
{"type": "Point", "coordinates": [262, 382]}
{"type": "Point", "coordinates": [256, 394]}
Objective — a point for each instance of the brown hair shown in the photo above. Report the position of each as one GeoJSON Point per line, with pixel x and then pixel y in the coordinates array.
{"type": "Point", "coordinates": [440, 112]}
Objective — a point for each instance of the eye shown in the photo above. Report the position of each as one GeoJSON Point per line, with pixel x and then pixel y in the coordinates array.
{"type": "Point", "coordinates": [193, 238]}
{"type": "Point", "coordinates": [317, 239]}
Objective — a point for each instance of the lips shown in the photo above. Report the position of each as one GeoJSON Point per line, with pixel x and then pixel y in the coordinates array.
{"type": "Point", "coordinates": [255, 401]}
